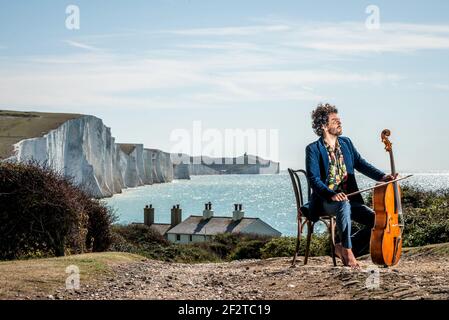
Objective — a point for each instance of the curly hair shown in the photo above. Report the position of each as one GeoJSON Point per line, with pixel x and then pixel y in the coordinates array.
{"type": "Point", "coordinates": [320, 117]}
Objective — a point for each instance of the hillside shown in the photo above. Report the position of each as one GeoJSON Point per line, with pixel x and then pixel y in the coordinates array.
{"type": "Point", "coordinates": [421, 274]}
{"type": "Point", "coordinates": [20, 125]}
{"type": "Point", "coordinates": [82, 147]}
{"type": "Point", "coordinates": [39, 278]}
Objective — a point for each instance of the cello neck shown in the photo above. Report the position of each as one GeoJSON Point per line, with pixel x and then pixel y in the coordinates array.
{"type": "Point", "coordinates": [397, 198]}
{"type": "Point", "coordinates": [393, 166]}
{"type": "Point", "coordinates": [389, 148]}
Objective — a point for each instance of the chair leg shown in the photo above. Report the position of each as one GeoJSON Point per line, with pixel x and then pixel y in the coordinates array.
{"type": "Point", "coordinates": [310, 226]}
{"type": "Point", "coordinates": [298, 240]}
{"type": "Point", "coordinates": [332, 240]}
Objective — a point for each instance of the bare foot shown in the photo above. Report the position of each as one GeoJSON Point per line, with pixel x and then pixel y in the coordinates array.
{"type": "Point", "coordinates": [339, 251]}
{"type": "Point", "coordinates": [349, 259]}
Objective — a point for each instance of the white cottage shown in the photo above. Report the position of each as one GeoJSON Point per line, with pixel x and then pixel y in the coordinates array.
{"type": "Point", "coordinates": [203, 228]}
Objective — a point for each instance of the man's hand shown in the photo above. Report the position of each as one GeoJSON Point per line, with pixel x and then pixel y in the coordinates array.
{"type": "Point", "coordinates": [389, 177]}
{"type": "Point", "coordinates": [340, 197]}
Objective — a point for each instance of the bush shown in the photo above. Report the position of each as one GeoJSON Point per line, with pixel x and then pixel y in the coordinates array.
{"type": "Point", "coordinates": [223, 244]}
{"type": "Point", "coordinates": [249, 249]}
{"type": "Point", "coordinates": [143, 240]}
{"type": "Point", "coordinates": [426, 216]}
{"type": "Point", "coordinates": [101, 217]}
{"type": "Point", "coordinates": [139, 234]}
{"type": "Point", "coordinates": [279, 247]}
{"type": "Point", "coordinates": [182, 253]}
{"type": "Point", "coordinates": [285, 246]}
{"type": "Point", "coordinates": [137, 238]}
{"type": "Point", "coordinates": [44, 213]}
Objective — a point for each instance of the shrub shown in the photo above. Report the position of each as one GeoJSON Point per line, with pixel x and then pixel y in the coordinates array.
{"type": "Point", "coordinates": [139, 239]}
{"type": "Point", "coordinates": [223, 244]}
{"type": "Point", "coordinates": [189, 253]}
{"type": "Point", "coordinates": [285, 246]}
{"type": "Point", "coordinates": [279, 247]}
{"type": "Point", "coordinates": [143, 240]}
{"type": "Point", "coordinates": [426, 216]}
{"type": "Point", "coordinates": [44, 213]}
{"type": "Point", "coordinates": [249, 249]}
{"type": "Point", "coordinates": [101, 217]}
{"type": "Point", "coordinates": [139, 234]}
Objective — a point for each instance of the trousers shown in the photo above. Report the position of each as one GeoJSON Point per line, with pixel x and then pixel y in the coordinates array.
{"type": "Point", "coordinates": [345, 212]}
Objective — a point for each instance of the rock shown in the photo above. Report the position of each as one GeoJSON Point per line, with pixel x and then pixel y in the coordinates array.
{"type": "Point", "coordinates": [350, 283]}
{"type": "Point", "coordinates": [95, 160]}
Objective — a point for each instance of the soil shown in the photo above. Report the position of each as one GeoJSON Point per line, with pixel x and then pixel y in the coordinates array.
{"type": "Point", "coordinates": [421, 274]}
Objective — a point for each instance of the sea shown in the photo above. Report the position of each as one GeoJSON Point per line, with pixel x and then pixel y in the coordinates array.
{"type": "Point", "coordinates": [268, 197]}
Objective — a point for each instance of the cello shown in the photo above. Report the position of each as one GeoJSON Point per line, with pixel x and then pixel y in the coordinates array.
{"type": "Point", "coordinates": [386, 235]}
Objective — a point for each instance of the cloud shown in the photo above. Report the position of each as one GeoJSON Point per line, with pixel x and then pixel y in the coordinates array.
{"type": "Point", "coordinates": [342, 38]}
{"type": "Point", "coordinates": [444, 87]}
{"type": "Point", "coordinates": [355, 38]}
{"type": "Point", "coordinates": [202, 68]}
{"type": "Point", "coordinates": [143, 82]}
{"type": "Point", "coordinates": [220, 46]}
{"type": "Point", "coordinates": [229, 31]}
{"type": "Point", "coordinates": [80, 45]}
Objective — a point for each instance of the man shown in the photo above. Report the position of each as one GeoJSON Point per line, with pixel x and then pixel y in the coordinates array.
{"type": "Point", "coordinates": [330, 164]}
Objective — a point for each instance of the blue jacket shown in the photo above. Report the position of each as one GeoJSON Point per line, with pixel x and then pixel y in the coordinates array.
{"type": "Point", "coordinates": [317, 167]}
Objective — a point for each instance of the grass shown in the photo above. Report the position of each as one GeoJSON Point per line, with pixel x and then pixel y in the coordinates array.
{"type": "Point", "coordinates": [43, 276]}
{"type": "Point", "coordinates": [440, 249]}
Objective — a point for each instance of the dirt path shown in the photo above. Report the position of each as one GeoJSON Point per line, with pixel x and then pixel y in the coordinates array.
{"type": "Point", "coordinates": [421, 274]}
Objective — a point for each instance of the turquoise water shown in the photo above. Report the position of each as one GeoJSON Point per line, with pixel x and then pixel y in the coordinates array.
{"type": "Point", "coordinates": [269, 197]}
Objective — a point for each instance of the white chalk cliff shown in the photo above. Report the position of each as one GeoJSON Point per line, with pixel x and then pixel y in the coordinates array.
{"type": "Point", "coordinates": [84, 149]}
{"type": "Point", "coordinates": [81, 147]}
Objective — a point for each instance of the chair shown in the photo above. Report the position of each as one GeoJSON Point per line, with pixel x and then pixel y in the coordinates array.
{"type": "Point", "coordinates": [303, 219]}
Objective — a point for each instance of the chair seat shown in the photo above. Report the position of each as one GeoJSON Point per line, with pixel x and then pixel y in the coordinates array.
{"type": "Point", "coordinates": [305, 210]}
{"type": "Point", "coordinates": [326, 217]}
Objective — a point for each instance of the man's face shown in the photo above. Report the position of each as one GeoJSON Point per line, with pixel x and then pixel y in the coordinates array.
{"type": "Point", "coordinates": [334, 125]}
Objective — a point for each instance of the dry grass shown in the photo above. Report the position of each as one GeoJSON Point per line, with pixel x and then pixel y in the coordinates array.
{"type": "Point", "coordinates": [41, 277]}
{"type": "Point", "coordinates": [127, 147]}
{"type": "Point", "coordinates": [18, 125]}
{"type": "Point", "coordinates": [439, 249]}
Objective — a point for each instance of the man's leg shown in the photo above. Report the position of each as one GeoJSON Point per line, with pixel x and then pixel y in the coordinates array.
{"type": "Point", "coordinates": [361, 239]}
{"type": "Point", "coordinates": [342, 211]}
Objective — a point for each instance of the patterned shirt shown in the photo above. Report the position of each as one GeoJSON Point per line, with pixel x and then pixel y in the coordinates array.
{"type": "Point", "coordinates": [338, 176]}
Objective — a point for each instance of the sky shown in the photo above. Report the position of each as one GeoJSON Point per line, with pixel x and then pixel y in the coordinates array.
{"type": "Point", "coordinates": [148, 68]}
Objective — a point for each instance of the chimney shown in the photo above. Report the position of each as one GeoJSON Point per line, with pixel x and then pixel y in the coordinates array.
{"type": "Point", "coordinates": [208, 212]}
{"type": "Point", "coordinates": [176, 215]}
{"type": "Point", "coordinates": [238, 212]}
{"type": "Point", "coordinates": [148, 215]}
